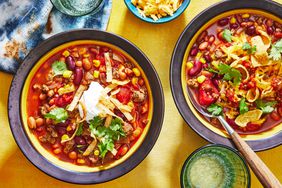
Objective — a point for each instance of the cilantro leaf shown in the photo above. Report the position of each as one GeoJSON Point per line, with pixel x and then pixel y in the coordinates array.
{"type": "Point", "coordinates": [247, 47]}
{"type": "Point", "coordinates": [107, 135]}
{"type": "Point", "coordinates": [243, 107]}
{"type": "Point", "coordinates": [215, 109]}
{"type": "Point", "coordinates": [80, 130]}
{"type": "Point", "coordinates": [230, 73]}
{"type": "Point", "coordinates": [211, 70]}
{"type": "Point", "coordinates": [57, 114]}
{"type": "Point", "coordinates": [276, 50]}
{"type": "Point", "coordinates": [59, 67]}
{"type": "Point", "coordinates": [227, 35]}
{"type": "Point", "coordinates": [266, 107]}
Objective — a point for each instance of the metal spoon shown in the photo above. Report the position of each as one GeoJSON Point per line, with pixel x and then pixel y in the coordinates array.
{"type": "Point", "coordinates": [262, 172]}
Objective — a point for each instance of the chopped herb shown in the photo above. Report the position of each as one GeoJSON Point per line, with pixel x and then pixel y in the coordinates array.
{"type": "Point", "coordinates": [80, 130]}
{"type": "Point", "coordinates": [107, 135]}
{"type": "Point", "coordinates": [276, 50]}
{"type": "Point", "coordinates": [59, 67]}
{"type": "Point", "coordinates": [243, 107]}
{"type": "Point", "coordinates": [266, 107]}
{"type": "Point", "coordinates": [57, 114]}
{"type": "Point", "coordinates": [229, 73]}
{"type": "Point", "coordinates": [211, 70]}
{"type": "Point", "coordinates": [227, 35]}
{"type": "Point", "coordinates": [215, 109]}
{"type": "Point", "coordinates": [247, 47]}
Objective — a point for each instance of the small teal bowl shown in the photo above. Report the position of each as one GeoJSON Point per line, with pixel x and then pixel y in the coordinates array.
{"type": "Point", "coordinates": [165, 19]}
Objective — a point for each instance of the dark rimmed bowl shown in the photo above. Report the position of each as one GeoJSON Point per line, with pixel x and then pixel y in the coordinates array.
{"type": "Point", "coordinates": [165, 19]}
{"type": "Point", "coordinates": [30, 149]}
{"type": "Point", "coordinates": [231, 155]}
{"type": "Point", "coordinates": [258, 142]}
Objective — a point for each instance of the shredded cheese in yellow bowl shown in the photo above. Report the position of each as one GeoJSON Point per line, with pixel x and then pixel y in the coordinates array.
{"type": "Point", "coordinates": [156, 9]}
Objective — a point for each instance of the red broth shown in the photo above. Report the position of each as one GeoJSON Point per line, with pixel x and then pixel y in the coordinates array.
{"type": "Point", "coordinates": [227, 66]}
{"type": "Point", "coordinates": [70, 137]}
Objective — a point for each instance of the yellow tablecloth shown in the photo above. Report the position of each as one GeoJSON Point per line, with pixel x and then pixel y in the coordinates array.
{"type": "Point", "coordinates": [162, 166]}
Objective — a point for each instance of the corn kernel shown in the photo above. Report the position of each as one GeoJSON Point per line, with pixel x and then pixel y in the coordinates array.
{"type": "Point", "coordinates": [215, 64]}
{"type": "Point", "coordinates": [80, 161]}
{"type": "Point", "coordinates": [199, 55]}
{"type": "Point", "coordinates": [202, 60]}
{"type": "Point", "coordinates": [96, 63]}
{"type": "Point", "coordinates": [96, 74]}
{"type": "Point", "coordinates": [65, 137]}
{"type": "Point", "coordinates": [136, 72]}
{"type": "Point", "coordinates": [67, 74]}
{"type": "Point", "coordinates": [86, 55]}
{"type": "Point", "coordinates": [233, 20]}
{"type": "Point", "coordinates": [201, 79]}
{"type": "Point", "coordinates": [66, 53]}
{"type": "Point", "coordinates": [69, 128]}
{"type": "Point", "coordinates": [189, 65]}
{"type": "Point", "coordinates": [131, 104]}
{"type": "Point", "coordinates": [96, 152]}
{"type": "Point", "coordinates": [245, 15]}
{"type": "Point", "coordinates": [134, 80]}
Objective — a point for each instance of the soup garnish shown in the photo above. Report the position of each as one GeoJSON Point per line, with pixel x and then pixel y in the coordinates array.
{"type": "Point", "coordinates": [235, 69]}
{"type": "Point", "coordinates": [88, 105]}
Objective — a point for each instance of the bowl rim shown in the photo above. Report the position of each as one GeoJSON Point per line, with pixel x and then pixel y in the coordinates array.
{"type": "Point", "coordinates": [236, 152]}
{"type": "Point", "coordinates": [162, 20]}
{"type": "Point", "coordinates": [177, 59]}
{"type": "Point", "coordinates": [41, 162]}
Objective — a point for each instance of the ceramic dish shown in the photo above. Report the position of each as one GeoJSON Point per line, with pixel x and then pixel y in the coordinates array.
{"type": "Point", "coordinates": [29, 143]}
{"type": "Point", "coordinates": [230, 167]}
{"type": "Point", "coordinates": [260, 141]}
{"type": "Point", "coordinates": [165, 19]}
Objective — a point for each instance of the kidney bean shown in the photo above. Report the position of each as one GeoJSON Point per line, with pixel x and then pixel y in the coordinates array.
{"type": "Point", "coordinates": [251, 30]}
{"type": "Point", "coordinates": [203, 45]}
{"type": "Point", "coordinates": [202, 36]}
{"type": "Point", "coordinates": [238, 18]}
{"type": "Point", "coordinates": [196, 69]}
{"type": "Point", "coordinates": [78, 74]}
{"type": "Point", "coordinates": [279, 109]}
{"type": "Point", "coordinates": [70, 63]}
{"type": "Point", "coordinates": [194, 51]}
{"type": "Point", "coordinates": [270, 30]}
{"type": "Point", "coordinates": [277, 25]}
{"type": "Point", "coordinates": [207, 57]}
{"type": "Point", "coordinates": [223, 22]}
{"type": "Point", "coordinates": [61, 130]}
{"type": "Point", "coordinates": [79, 140]}
{"type": "Point", "coordinates": [234, 26]}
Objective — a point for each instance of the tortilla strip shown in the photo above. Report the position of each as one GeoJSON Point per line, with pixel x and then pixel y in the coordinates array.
{"type": "Point", "coordinates": [109, 88]}
{"type": "Point", "coordinates": [76, 97]}
{"type": "Point", "coordinates": [73, 135]}
{"type": "Point", "coordinates": [91, 147]}
{"type": "Point", "coordinates": [121, 83]}
{"type": "Point", "coordinates": [108, 120]}
{"type": "Point", "coordinates": [105, 101]}
{"type": "Point", "coordinates": [115, 92]}
{"type": "Point", "coordinates": [109, 71]}
{"type": "Point", "coordinates": [120, 106]}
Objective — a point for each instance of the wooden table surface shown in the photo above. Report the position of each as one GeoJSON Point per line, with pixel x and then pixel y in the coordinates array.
{"type": "Point", "coordinates": [177, 140]}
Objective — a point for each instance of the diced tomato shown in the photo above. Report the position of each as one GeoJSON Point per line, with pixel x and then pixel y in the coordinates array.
{"type": "Point", "coordinates": [208, 93]}
{"type": "Point", "coordinates": [124, 95]}
{"type": "Point", "coordinates": [64, 100]}
{"type": "Point", "coordinates": [252, 126]}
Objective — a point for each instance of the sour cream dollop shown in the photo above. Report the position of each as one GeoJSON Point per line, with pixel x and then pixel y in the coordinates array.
{"type": "Point", "coordinates": [90, 99]}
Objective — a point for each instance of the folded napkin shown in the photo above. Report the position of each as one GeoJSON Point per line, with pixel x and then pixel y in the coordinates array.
{"type": "Point", "coordinates": [25, 23]}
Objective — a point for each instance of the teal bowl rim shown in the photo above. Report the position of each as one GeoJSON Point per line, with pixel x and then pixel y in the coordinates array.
{"type": "Point", "coordinates": [165, 19]}
{"type": "Point", "coordinates": [93, 11]}
{"type": "Point", "coordinates": [184, 166]}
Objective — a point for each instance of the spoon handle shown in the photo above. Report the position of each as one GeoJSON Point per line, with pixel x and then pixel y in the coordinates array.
{"type": "Point", "coordinates": [262, 172]}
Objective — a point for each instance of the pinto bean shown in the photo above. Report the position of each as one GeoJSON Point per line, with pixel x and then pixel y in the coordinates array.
{"type": "Point", "coordinates": [203, 45]}
{"type": "Point", "coordinates": [202, 36]}
{"type": "Point", "coordinates": [39, 122]}
{"type": "Point", "coordinates": [78, 74]}
{"type": "Point", "coordinates": [86, 64]}
{"type": "Point", "coordinates": [196, 68]}
{"type": "Point", "coordinates": [31, 122]}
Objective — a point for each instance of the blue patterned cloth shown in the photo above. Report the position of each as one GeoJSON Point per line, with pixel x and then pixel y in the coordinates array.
{"type": "Point", "coordinates": [23, 25]}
